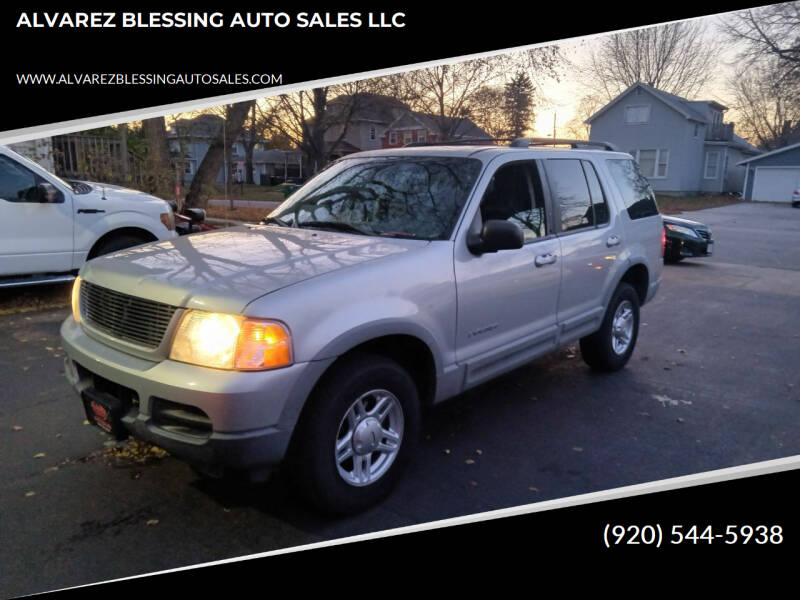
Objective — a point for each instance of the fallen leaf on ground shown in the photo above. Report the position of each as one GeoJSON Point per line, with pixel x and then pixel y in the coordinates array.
{"type": "Point", "coordinates": [39, 455]}
{"type": "Point", "coordinates": [50, 469]}
{"type": "Point", "coordinates": [447, 451]}
{"type": "Point", "coordinates": [533, 489]}
{"type": "Point", "coordinates": [469, 461]}
{"type": "Point", "coordinates": [478, 451]}
{"type": "Point", "coordinates": [577, 449]}
{"type": "Point", "coordinates": [152, 522]}
{"type": "Point", "coordinates": [29, 494]}
{"type": "Point", "coordinates": [17, 428]}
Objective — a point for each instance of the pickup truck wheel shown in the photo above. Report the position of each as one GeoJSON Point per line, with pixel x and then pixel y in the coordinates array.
{"type": "Point", "coordinates": [357, 436]}
{"type": "Point", "coordinates": [609, 348]}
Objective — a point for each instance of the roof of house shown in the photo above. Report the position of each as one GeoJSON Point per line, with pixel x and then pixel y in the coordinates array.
{"type": "Point", "coordinates": [693, 110]}
{"type": "Point", "coordinates": [368, 107]}
{"type": "Point", "coordinates": [202, 126]}
{"type": "Point", "coordinates": [772, 153]}
{"type": "Point", "coordinates": [456, 127]}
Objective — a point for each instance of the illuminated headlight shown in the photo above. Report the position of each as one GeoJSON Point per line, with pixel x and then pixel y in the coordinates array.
{"type": "Point", "coordinates": [76, 299]}
{"type": "Point", "coordinates": [227, 341]}
{"type": "Point", "coordinates": [679, 229]}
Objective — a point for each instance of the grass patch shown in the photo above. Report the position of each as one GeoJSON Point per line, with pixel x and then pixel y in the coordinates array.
{"type": "Point", "coordinates": [243, 213]}
{"type": "Point", "coordinates": [250, 192]}
{"type": "Point", "coordinates": [672, 205]}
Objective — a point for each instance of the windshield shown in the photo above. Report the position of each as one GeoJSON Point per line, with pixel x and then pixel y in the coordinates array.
{"type": "Point", "coordinates": [413, 197]}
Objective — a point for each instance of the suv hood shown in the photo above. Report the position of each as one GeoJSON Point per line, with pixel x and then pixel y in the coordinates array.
{"type": "Point", "coordinates": [227, 269]}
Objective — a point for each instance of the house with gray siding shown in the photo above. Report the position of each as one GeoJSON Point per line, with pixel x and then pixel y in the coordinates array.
{"type": "Point", "coordinates": [772, 176]}
{"type": "Point", "coordinates": [682, 146]}
{"type": "Point", "coordinates": [189, 140]}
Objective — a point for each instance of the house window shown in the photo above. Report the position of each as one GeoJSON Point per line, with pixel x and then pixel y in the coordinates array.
{"type": "Point", "coordinates": [712, 165]}
{"type": "Point", "coordinates": [408, 137]}
{"type": "Point", "coordinates": [637, 114]}
{"type": "Point", "coordinates": [653, 164]}
{"type": "Point", "coordinates": [392, 138]}
{"type": "Point", "coordinates": [372, 132]}
{"type": "Point", "coordinates": [421, 136]}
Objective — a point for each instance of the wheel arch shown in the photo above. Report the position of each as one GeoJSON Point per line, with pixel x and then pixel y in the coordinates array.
{"type": "Point", "coordinates": [143, 234]}
{"type": "Point", "coordinates": [638, 277]}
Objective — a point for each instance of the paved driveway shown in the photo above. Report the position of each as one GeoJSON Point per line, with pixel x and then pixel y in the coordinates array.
{"type": "Point", "coordinates": [713, 383]}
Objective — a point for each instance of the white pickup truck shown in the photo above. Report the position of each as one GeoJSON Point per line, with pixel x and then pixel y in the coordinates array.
{"type": "Point", "coordinates": [49, 227]}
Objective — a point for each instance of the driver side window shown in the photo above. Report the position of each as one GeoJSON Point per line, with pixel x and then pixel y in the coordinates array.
{"type": "Point", "coordinates": [515, 194]}
{"type": "Point", "coordinates": [17, 184]}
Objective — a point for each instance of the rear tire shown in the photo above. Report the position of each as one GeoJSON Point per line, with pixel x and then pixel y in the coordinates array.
{"type": "Point", "coordinates": [610, 347]}
{"type": "Point", "coordinates": [356, 436]}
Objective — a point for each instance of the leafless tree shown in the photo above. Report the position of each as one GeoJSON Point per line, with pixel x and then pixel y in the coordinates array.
{"type": "Point", "coordinates": [679, 58]}
{"type": "Point", "coordinates": [587, 106]}
{"type": "Point", "coordinates": [486, 111]}
{"type": "Point", "coordinates": [305, 117]}
{"type": "Point", "coordinates": [769, 31]}
{"type": "Point", "coordinates": [447, 92]}
{"type": "Point", "coordinates": [768, 114]}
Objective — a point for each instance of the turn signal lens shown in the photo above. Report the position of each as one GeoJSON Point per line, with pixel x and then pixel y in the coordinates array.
{"type": "Point", "coordinates": [263, 345]}
{"type": "Point", "coordinates": [227, 341]}
{"type": "Point", "coordinates": [76, 299]}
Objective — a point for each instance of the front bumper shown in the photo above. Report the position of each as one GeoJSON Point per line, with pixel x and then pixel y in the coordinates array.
{"type": "Point", "coordinates": [245, 419]}
{"type": "Point", "coordinates": [679, 245]}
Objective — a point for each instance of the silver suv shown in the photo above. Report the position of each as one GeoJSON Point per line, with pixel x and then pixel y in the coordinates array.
{"type": "Point", "coordinates": [391, 281]}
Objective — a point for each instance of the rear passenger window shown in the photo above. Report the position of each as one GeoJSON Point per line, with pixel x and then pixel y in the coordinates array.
{"type": "Point", "coordinates": [515, 194]}
{"type": "Point", "coordinates": [636, 192]}
{"type": "Point", "coordinates": [570, 193]}
{"type": "Point", "coordinates": [596, 191]}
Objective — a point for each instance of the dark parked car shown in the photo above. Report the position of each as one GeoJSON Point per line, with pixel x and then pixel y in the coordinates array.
{"type": "Point", "coordinates": [686, 239]}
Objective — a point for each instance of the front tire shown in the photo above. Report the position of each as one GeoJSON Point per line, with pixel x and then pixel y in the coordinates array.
{"type": "Point", "coordinates": [610, 347]}
{"type": "Point", "coordinates": [356, 436]}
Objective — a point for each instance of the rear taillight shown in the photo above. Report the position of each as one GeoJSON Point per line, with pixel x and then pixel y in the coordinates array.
{"type": "Point", "coordinates": [663, 241]}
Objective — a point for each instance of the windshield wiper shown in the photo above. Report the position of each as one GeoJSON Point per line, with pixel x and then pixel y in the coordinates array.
{"type": "Point", "coordinates": [275, 221]}
{"type": "Point", "coordinates": [397, 234]}
{"type": "Point", "coordinates": [335, 225]}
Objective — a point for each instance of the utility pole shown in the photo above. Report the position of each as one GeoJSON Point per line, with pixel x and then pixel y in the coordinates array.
{"type": "Point", "coordinates": [554, 128]}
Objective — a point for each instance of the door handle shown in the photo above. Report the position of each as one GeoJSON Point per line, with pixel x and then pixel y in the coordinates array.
{"type": "Point", "coordinates": [544, 259]}
{"type": "Point", "coordinates": [613, 240]}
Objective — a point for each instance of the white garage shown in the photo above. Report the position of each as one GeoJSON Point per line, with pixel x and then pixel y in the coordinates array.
{"type": "Point", "coordinates": [772, 176]}
{"type": "Point", "coordinates": [775, 184]}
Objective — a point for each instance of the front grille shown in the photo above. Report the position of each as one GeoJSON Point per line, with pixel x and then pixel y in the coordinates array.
{"type": "Point", "coordinates": [704, 233]}
{"type": "Point", "coordinates": [142, 322]}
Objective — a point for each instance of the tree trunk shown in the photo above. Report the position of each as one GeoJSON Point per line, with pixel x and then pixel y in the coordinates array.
{"type": "Point", "coordinates": [209, 167]}
{"type": "Point", "coordinates": [157, 166]}
{"type": "Point", "coordinates": [249, 144]}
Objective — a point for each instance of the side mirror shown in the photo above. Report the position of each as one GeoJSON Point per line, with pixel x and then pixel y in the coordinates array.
{"type": "Point", "coordinates": [496, 235]}
{"type": "Point", "coordinates": [197, 215]}
{"type": "Point", "coordinates": [47, 193]}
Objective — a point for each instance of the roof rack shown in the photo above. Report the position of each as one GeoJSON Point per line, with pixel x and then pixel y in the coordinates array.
{"type": "Point", "coordinates": [467, 142]}
{"type": "Point", "coordinates": [527, 142]}
{"type": "Point", "coordinates": [521, 143]}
